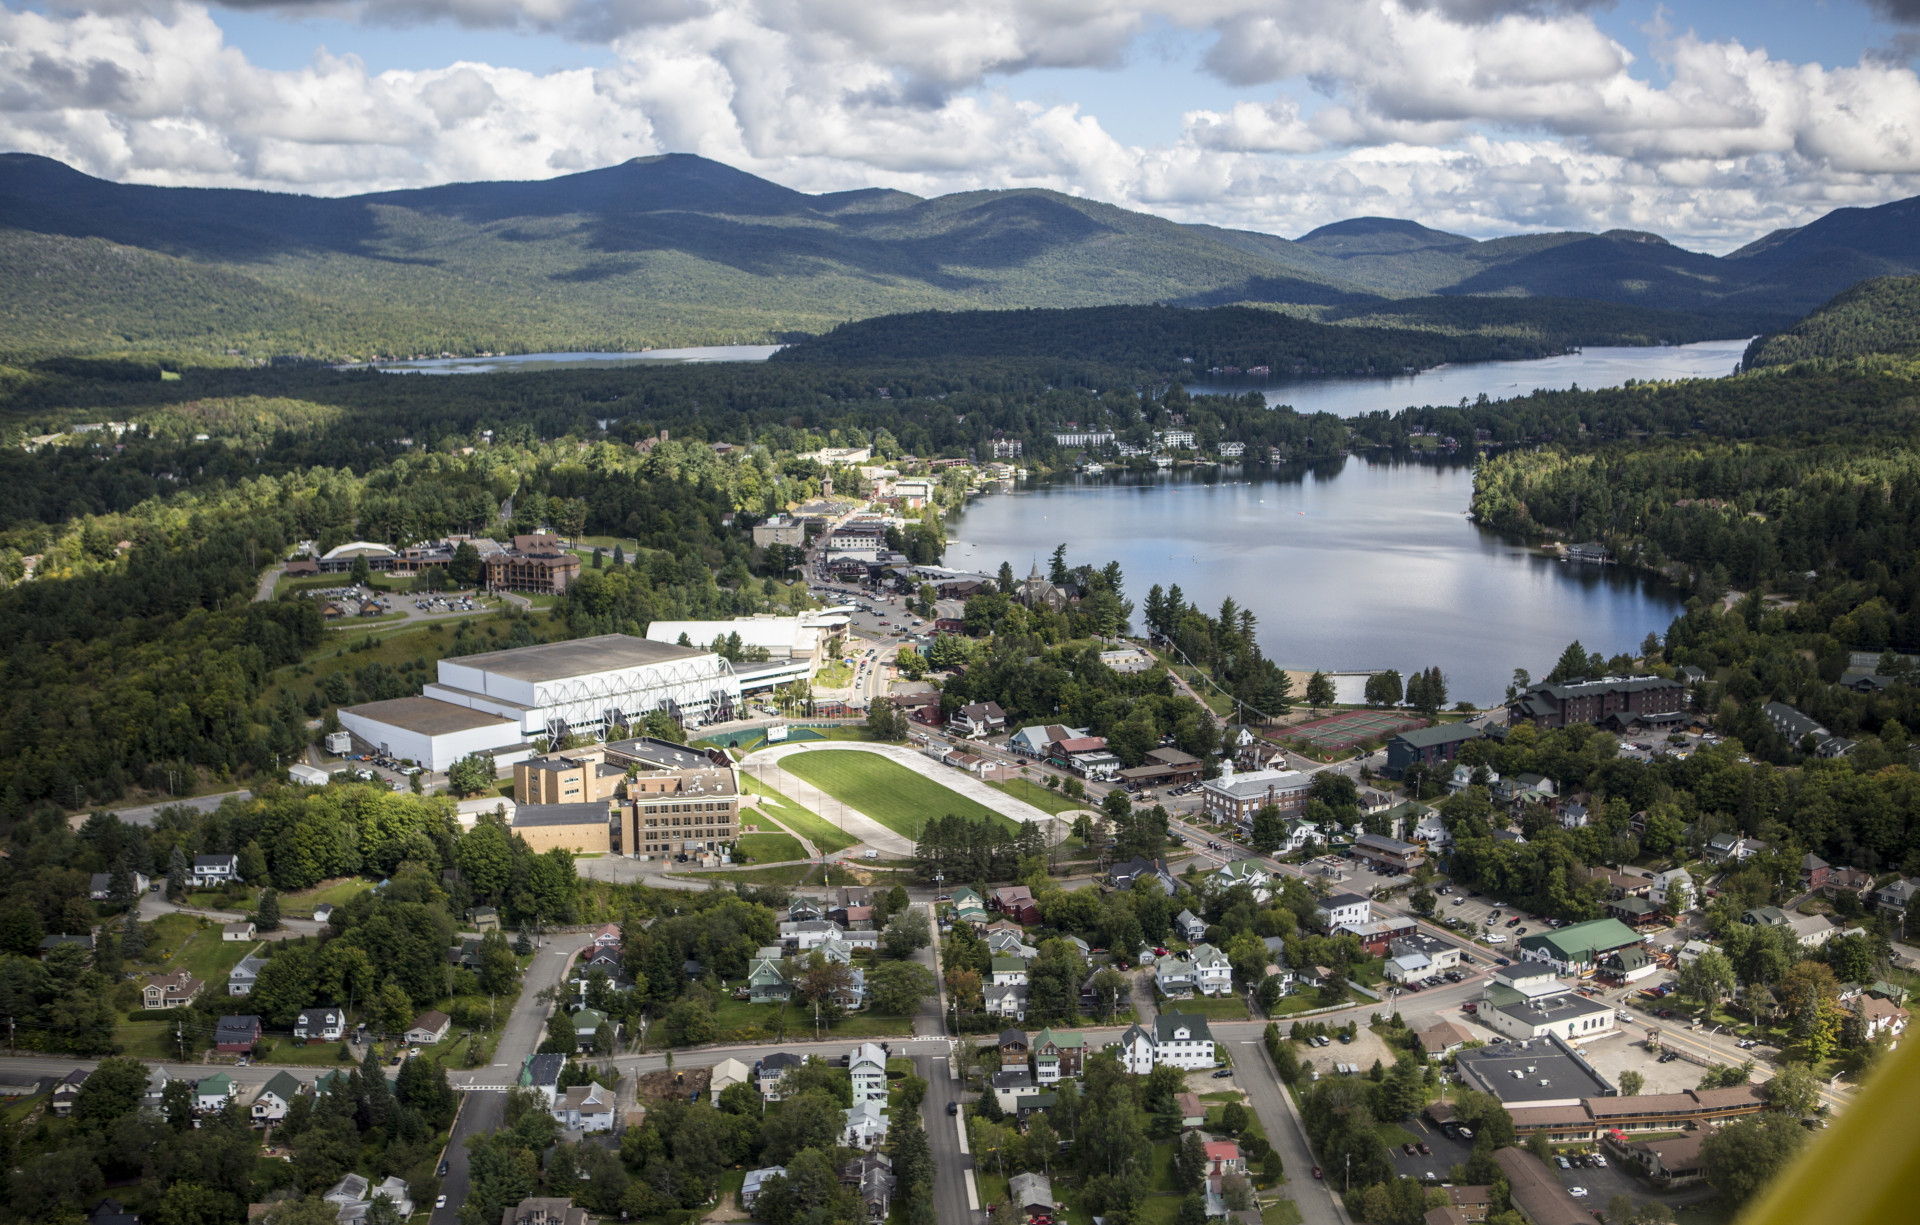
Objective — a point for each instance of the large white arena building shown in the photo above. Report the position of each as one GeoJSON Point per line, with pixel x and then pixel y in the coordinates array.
{"type": "Point", "coordinates": [502, 701]}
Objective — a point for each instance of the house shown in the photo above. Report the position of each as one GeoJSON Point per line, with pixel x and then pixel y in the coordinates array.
{"type": "Point", "coordinates": [768, 981]}
{"type": "Point", "coordinates": [1343, 910]}
{"type": "Point", "coordinates": [1014, 1048]}
{"type": "Point", "coordinates": [1627, 965]}
{"type": "Point", "coordinates": [1249, 872]}
{"type": "Point", "coordinates": [1812, 930]}
{"type": "Point", "coordinates": [586, 1107]}
{"type": "Point", "coordinates": [51, 943]}
{"type": "Point", "coordinates": [1223, 1157]}
{"type": "Point", "coordinates": [871, 1176]}
{"type": "Point", "coordinates": [1129, 874]}
{"type": "Point", "coordinates": [1573, 816]}
{"type": "Point", "coordinates": [354, 1211]}
{"type": "Point", "coordinates": [1897, 897]}
{"type": "Point", "coordinates": [429, 1028]}
{"type": "Point", "coordinates": [1008, 944]}
{"type": "Point", "coordinates": [1031, 1194]}
{"type": "Point", "coordinates": [1727, 848]}
{"type": "Point", "coordinates": [979, 719]}
{"type": "Point", "coordinates": [755, 1180]}
{"type": "Point", "coordinates": [1135, 1050]}
{"type": "Point", "coordinates": [1443, 1039]}
{"type": "Point", "coordinates": [1804, 733]}
{"type": "Point", "coordinates": [1009, 1002]}
{"type": "Point", "coordinates": [323, 913]}
{"type": "Point", "coordinates": [1212, 972]}
{"type": "Point", "coordinates": [1634, 911]}
{"type": "Point", "coordinates": [1848, 880]}
{"type": "Point", "coordinates": [1814, 871]}
{"type": "Point", "coordinates": [1192, 1111]}
{"type": "Point", "coordinates": [101, 889]}
{"type": "Point", "coordinates": [236, 1035]}
{"type": "Point", "coordinates": [324, 1024]}
{"type": "Point", "coordinates": [1174, 976]}
{"type": "Point", "coordinates": [968, 906]}
{"type": "Point", "coordinates": [67, 1090]}
{"type": "Point", "coordinates": [111, 1212]}
{"type": "Point", "coordinates": [174, 990]}
{"type": "Point", "coordinates": [1190, 926]}
{"type": "Point", "coordinates": [483, 919]}
{"type": "Point", "coordinates": [212, 871]}
{"type": "Point", "coordinates": [544, 1210]}
{"type": "Point", "coordinates": [772, 1073]}
{"type": "Point", "coordinates": [587, 1024]}
{"type": "Point", "coordinates": [1669, 1163]}
{"type": "Point", "coordinates": [867, 1067]}
{"type": "Point", "coordinates": [726, 1074]}
{"type": "Point", "coordinates": [1668, 885]}
{"type": "Point", "coordinates": [1057, 1055]}
{"type": "Point", "coordinates": [238, 931]}
{"type": "Point", "coordinates": [1879, 1016]}
{"type": "Point", "coordinates": [1008, 972]}
{"type": "Point", "coordinates": [1016, 902]}
{"type": "Point", "coordinates": [1764, 916]}
{"type": "Point", "coordinates": [270, 1103]}
{"type": "Point", "coordinates": [866, 1124]}
{"type": "Point", "coordinates": [212, 1094]}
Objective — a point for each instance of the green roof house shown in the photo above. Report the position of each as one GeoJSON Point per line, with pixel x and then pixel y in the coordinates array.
{"type": "Point", "coordinates": [1577, 949]}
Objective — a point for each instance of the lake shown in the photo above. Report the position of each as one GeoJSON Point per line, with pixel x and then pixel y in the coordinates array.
{"type": "Point", "coordinates": [578, 361]}
{"type": "Point", "coordinates": [1348, 396]}
{"type": "Point", "coordinates": [1355, 566]}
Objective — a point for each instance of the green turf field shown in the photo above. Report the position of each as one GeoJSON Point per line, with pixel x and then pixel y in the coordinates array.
{"type": "Point", "coordinates": [822, 833]}
{"type": "Point", "coordinates": [884, 790]}
{"type": "Point", "coordinates": [771, 848]}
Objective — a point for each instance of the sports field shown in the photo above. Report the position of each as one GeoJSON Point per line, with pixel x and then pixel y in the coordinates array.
{"type": "Point", "coordinates": [884, 790]}
{"type": "Point", "coordinates": [1351, 727]}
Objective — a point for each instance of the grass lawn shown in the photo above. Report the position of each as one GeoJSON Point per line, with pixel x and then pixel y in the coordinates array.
{"type": "Point", "coordinates": [885, 790]}
{"type": "Point", "coordinates": [338, 893]}
{"type": "Point", "coordinates": [1280, 1212]}
{"type": "Point", "coordinates": [771, 848]}
{"type": "Point", "coordinates": [208, 958]}
{"type": "Point", "coordinates": [213, 899]}
{"type": "Point", "coordinates": [1214, 1008]}
{"type": "Point", "coordinates": [815, 829]}
{"type": "Point", "coordinates": [313, 1055]}
{"type": "Point", "coordinates": [1044, 798]}
{"type": "Point", "coordinates": [788, 874]}
{"type": "Point", "coordinates": [147, 1040]}
{"type": "Point", "coordinates": [1392, 1134]}
{"type": "Point", "coordinates": [165, 935]}
{"type": "Point", "coordinates": [834, 675]}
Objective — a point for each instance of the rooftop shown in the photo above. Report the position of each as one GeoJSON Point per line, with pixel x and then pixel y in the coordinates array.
{"type": "Point", "coordinates": [555, 661]}
{"type": "Point", "coordinates": [1438, 734]}
{"type": "Point", "coordinates": [1491, 1068]}
{"type": "Point", "coordinates": [1582, 941]}
{"type": "Point", "coordinates": [593, 813]}
{"type": "Point", "coordinates": [427, 716]}
{"type": "Point", "coordinates": [1536, 1192]}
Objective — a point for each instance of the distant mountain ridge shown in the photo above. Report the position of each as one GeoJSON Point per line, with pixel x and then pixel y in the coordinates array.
{"type": "Point", "coordinates": [678, 249]}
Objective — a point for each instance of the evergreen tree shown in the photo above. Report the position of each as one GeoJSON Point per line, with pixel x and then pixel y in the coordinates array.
{"type": "Point", "coordinates": [120, 888]}
{"type": "Point", "coordinates": [523, 943]}
{"type": "Point", "coordinates": [1320, 690]}
{"type": "Point", "coordinates": [268, 917]}
{"type": "Point", "coordinates": [177, 873]}
{"type": "Point", "coordinates": [133, 937]}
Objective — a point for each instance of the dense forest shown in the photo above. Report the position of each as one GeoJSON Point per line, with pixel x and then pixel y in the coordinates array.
{"type": "Point", "coordinates": [1877, 316]}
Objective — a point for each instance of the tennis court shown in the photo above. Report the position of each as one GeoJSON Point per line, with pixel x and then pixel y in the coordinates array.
{"type": "Point", "coordinates": [1349, 728]}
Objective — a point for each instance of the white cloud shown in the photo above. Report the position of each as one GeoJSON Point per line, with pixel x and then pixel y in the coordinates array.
{"type": "Point", "coordinates": [1486, 116]}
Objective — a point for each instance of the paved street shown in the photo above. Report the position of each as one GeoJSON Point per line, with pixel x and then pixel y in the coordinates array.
{"type": "Point", "coordinates": [1254, 1073]}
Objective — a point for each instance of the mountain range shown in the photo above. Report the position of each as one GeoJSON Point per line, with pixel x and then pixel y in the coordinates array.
{"type": "Point", "coordinates": [677, 249]}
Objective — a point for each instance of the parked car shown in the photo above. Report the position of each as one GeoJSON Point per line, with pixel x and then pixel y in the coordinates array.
{"type": "Point", "coordinates": [1563, 1163]}
{"type": "Point", "coordinates": [1316, 1171]}
{"type": "Point", "coordinates": [953, 1107]}
{"type": "Point", "coordinates": [441, 1202]}
{"type": "Point", "coordinates": [1422, 1146]}
{"type": "Point", "coordinates": [1408, 1148]}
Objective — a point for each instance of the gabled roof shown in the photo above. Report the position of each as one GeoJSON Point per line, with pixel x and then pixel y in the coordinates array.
{"type": "Point", "coordinates": [1167, 1022]}
{"type": "Point", "coordinates": [283, 1085]}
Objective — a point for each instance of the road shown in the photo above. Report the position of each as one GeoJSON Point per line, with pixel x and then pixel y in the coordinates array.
{"type": "Point", "coordinates": [145, 813]}
{"type": "Point", "coordinates": [1285, 1131]}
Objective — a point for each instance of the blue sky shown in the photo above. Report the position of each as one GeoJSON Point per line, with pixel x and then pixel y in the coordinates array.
{"type": "Point", "coordinates": [1708, 121]}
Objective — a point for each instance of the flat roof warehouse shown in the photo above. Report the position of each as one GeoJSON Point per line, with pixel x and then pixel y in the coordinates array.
{"type": "Point", "coordinates": [561, 661]}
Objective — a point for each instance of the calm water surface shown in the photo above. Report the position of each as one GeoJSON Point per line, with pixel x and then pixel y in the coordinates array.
{"type": "Point", "coordinates": [1359, 566]}
{"type": "Point", "coordinates": [579, 361]}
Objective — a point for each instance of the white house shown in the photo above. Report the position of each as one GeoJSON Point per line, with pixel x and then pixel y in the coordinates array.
{"type": "Point", "coordinates": [1431, 829]}
{"type": "Point", "coordinates": [726, 1074]}
{"type": "Point", "coordinates": [211, 871]}
{"type": "Point", "coordinates": [750, 1189]}
{"type": "Point", "coordinates": [213, 1093]}
{"type": "Point", "coordinates": [866, 1125]}
{"type": "Point", "coordinates": [1009, 1002]}
{"type": "Point", "coordinates": [1212, 972]}
{"type": "Point", "coordinates": [101, 889]}
{"type": "Point", "coordinates": [1183, 1041]}
{"type": "Point", "coordinates": [1249, 872]}
{"type": "Point", "coordinates": [1663, 884]}
{"type": "Point", "coordinates": [1343, 910]}
{"type": "Point", "coordinates": [1135, 1050]}
{"type": "Point", "coordinates": [270, 1104]}
{"type": "Point", "coordinates": [242, 930]}
{"type": "Point", "coordinates": [867, 1066]}
{"type": "Point", "coordinates": [772, 1073]}
{"type": "Point", "coordinates": [1174, 976]}
{"type": "Point", "coordinates": [1009, 972]}
{"type": "Point", "coordinates": [585, 1108]}
{"type": "Point", "coordinates": [241, 978]}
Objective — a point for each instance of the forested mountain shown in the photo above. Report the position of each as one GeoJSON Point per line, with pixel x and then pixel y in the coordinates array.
{"type": "Point", "coordinates": [1877, 316]}
{"type": "Point", "coordinates": [1416, 332]}
{"type": "Point", "coordinates": [677, 250]}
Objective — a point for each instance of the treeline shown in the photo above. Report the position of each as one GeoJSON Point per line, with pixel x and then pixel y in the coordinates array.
{"type": "Point", "coordinates": [1225, 645]}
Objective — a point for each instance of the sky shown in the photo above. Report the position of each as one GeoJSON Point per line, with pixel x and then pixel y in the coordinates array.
{"type": "Point", "coordinates": [1710, 122]}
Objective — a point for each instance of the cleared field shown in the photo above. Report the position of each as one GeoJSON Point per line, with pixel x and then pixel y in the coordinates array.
{"type": "Point", "coordinates": [1045, 799]}
{"type": "Point", "coordinates": [884, 790]}
{"type": "Point", "coordinates": [337, 893]}
{"type": "Point", "coordinates": [814, 828]}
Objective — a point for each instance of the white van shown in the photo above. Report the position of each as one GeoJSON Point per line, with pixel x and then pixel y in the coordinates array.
{"type": "Point", "coordinates": [1496, 939]}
